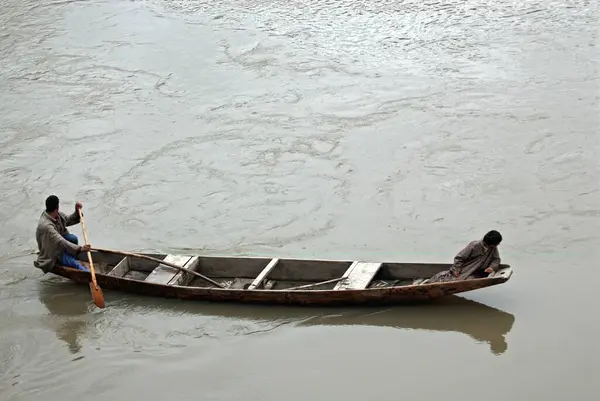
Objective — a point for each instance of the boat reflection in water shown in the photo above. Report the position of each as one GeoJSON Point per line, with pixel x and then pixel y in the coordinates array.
{"type": "Point", "coordinates": [73, 308]}
{"type": "Point", "coordinates": [452, 314]}
{"type": "Point", "coordinates": [455, 314]}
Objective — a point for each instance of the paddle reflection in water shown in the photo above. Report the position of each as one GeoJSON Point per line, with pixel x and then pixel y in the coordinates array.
{"type": "Point", "coordinates": [480, 322]}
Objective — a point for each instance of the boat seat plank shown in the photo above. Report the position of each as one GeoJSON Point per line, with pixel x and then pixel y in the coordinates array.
{"type": "Point", "coordinates": [164, 274]}
{"type": "Point", "coordinates": [263, 274]}
{"type": "Point", "coordinates": [183, 278]}
{"type": "Point", "coordinates": [121, 269]}
{"type": "Point", "coordinates": [358, 276]}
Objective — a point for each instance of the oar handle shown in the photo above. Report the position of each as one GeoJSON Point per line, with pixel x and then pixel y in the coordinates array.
{"type": "Point", "coordinates": [85, 237]}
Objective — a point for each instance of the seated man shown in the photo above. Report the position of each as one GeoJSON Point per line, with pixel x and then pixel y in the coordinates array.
{"type": "Point", "coordinates": [478, 259]}
{"type": "Point", "coordinates": [56, 245]}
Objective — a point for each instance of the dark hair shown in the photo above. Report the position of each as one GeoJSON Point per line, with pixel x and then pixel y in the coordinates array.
{"type": "Point", "coordinates": [492, 238]}
{"type": "Point", "coordinates": [51, 203]}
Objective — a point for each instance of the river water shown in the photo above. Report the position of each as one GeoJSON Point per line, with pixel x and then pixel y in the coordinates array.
{"type": "Point", "coordinates": [383, 130]}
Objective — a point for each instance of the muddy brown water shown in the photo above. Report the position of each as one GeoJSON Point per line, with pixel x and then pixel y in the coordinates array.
{"type": "Point", "coordinates": [384, 130]}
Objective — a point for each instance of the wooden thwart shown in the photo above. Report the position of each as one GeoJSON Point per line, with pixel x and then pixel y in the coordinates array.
{"type": "Point", "coordinates": [263, 274]}
{"type": "Point", "coordinates": [121, 268]}
{"type": "Point", "coordinates": [184, 278]}
{"type": "Point", "coordinates": [358, 276]}
{"type": "Point", "coordinates": [164, 274]}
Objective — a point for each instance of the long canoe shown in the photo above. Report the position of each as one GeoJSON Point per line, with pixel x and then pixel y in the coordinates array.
{"type": "Point", "coordinates": [275, 281]}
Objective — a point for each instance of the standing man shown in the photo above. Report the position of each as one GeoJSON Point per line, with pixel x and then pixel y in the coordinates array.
{"type": "Point", "coordinates": [55, 243]}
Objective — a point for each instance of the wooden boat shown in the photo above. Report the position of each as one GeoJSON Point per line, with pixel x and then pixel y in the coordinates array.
{"type": "Point", "coordinates": [274, 281]}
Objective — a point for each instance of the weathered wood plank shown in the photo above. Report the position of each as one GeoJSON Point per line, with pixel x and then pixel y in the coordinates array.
{"type": "Point", "coordinates": [349, 270]}
{"type": "Point", "coordinates": [163, 274]}
{"type": "Point", "coordinates": [358, 276]}
{"type": "Point", "coordinates": [121, 268]}
{"type": "Point", "coordinates": [263, 274]}
{"type": "Point", "coordinates": [184, 278]}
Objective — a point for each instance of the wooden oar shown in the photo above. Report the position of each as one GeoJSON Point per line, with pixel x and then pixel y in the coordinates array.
{"type": "Point", "coordinates": [94, 288]}
{"type": "Point", "coordinates": [135, 255]}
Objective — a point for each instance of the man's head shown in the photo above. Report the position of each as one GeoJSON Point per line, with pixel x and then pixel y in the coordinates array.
{"type": "Point", "coordinates": [52, 205]}
{"type": "Point", "coordinates": [492, 238]}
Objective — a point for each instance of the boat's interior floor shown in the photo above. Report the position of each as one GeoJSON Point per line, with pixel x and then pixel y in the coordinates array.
{"type": "Point", "coordinates": [262, 273]}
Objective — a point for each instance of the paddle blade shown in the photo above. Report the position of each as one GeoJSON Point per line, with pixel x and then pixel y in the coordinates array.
{"type": "Point", "coordinates": [97, 295]}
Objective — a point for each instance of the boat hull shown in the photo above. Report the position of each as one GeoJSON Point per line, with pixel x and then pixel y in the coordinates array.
{"type": "Point", "coordinates": [371, 296]}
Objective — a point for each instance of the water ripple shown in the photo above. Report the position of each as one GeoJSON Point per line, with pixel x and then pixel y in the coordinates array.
{"type": "Point", "coordinates": [350, 129]}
